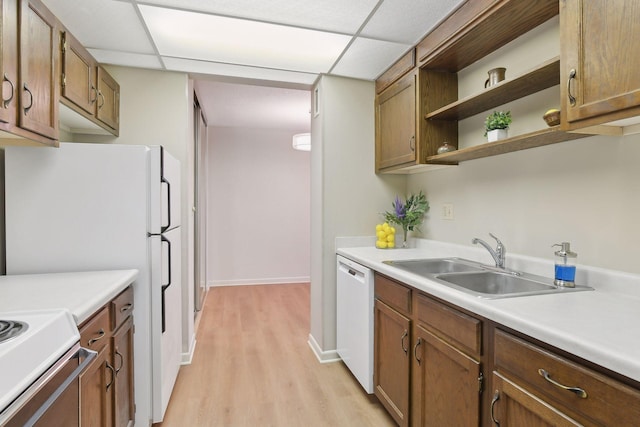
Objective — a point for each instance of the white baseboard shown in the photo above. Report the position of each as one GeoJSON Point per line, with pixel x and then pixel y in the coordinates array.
{"type": "Point", "coordinates": [258, 281]}
{"type": "Point", "coordinates": [187, 358]}
{"type": "Point", "coordinates": [322, 356]}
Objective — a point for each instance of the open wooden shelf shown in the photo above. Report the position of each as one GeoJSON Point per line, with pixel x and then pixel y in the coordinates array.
{"type": "Point", "coordinates": [539, 138]}
{"type": "Point", "coordinates": [542, 77]}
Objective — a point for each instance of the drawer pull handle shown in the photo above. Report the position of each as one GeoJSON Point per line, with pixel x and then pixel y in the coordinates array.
{"type": "Point", "coordinates": [101, 335]}
{"type": "Point", "coordinates": [113, 375]}
{"type": "Point", "coordinates": [121, 362]}
{"type": "Point", "coordinates": [496, 397]}
{"type": "Point", "coordinates": [572, 76]}
{"type": "Point", "coordinates": [125, 307]}
{"type": "Point", "coordinates": [405, 349]}
{"type": "Point", "coordinates": [576, 390]}
{"type": "Point", "coordinates": [415, 351]}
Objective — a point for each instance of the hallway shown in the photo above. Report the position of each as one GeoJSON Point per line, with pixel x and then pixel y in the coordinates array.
{"type": "Point", "coordinates": [253, 367]}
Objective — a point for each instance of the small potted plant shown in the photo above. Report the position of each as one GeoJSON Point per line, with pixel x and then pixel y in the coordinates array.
{"type": "Point", "coordinates": [496, 125]}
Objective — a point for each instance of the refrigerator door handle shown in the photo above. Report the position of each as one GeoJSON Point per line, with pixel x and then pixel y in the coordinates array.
{"type": "Point", "coordinates": [165, 285]}
{"type": "Point", "coordinates": [164, 228]}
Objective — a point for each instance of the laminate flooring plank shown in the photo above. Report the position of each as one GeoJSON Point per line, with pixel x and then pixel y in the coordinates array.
{"type": "Point", "coordinates": [253, 367]}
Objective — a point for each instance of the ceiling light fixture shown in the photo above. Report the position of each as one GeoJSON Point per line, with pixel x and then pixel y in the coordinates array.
{"type": "Point", "coordinates": [302, 142]}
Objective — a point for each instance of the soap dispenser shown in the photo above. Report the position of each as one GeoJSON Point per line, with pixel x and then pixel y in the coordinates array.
{"type": "Point", "coordinates": [565, 269]}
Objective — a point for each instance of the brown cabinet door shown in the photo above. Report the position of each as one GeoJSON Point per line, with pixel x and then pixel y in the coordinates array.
{"type": "Point", "coordinates": [599, 71]}
{"type": "Point", "coordinates": [95, 392]}
{"type": "Point", "coordinates": [123, 399]}
{"type": "Point", "coordinates": [513, 405]}
{"type": "Point", "coordinates": [396, 136]}
{"type": "Point", "coordinates": [9, 61]}
{"type": "Point", "coordinates": [78, 74]}
{"type": "Point", "coordinates": [391, 361]}
{"type": "Point", "coordinates": [38, 56]}
{"type": "Point", "coordinates": [108, 100]}
{"type": "Point", "coordinates": [445, 384]}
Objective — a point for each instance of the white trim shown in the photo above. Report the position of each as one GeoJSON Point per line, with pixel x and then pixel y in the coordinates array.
{"type": "Point", "coordinates": [323, 356]}
{"type": "Point", "coordinates": [257, 281]}
{"type": "Point", "coordinates": [187, 358]}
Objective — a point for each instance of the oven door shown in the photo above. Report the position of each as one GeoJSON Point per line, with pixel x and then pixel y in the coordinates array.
{"type": "Point", "coordinates": [53, 399]}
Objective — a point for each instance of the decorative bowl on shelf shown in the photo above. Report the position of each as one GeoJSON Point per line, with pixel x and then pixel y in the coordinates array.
{"type": "Point", "coordinates": [445, 148]}
{"type": "Point", "coordinates": [552, 117]}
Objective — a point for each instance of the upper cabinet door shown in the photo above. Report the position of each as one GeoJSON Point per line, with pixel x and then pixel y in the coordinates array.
{"type": "Point", "coordinates": [38, 56]}
{"type": "Point", "coordinates": [599, 68]}
{"type": "Point", "coordinates": [78, 74]}
{"type": "Point", "coordinates": [9, 61]}
{"type": "Point", "coordinates": [396, 124]}
{"type": "Point", "coordinates": [108, 100]}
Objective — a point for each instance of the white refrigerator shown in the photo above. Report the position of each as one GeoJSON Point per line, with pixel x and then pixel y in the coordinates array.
{"type": "Point", "coordinates": [84, 207]}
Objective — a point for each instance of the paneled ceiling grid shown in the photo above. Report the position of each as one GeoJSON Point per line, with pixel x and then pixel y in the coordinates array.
{"type": "Point", "coordinates": [287, 41]}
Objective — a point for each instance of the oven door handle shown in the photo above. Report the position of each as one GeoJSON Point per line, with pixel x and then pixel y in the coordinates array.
{"type": "Point", "coordinates": [89, 356]}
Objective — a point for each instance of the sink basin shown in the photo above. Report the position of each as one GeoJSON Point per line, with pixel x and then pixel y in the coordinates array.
{"type": "Point", "coordinates": [494, 284]}
{"type": "Point", "coordinates": [429, 267]}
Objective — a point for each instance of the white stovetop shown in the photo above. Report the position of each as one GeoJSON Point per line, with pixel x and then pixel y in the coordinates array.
{"type": "Point", "coordinates": [81, 293]}
{"type": "Point", "coordinates": [600, 326]}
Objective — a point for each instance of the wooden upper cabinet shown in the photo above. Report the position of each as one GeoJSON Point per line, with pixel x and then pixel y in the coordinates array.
{"type": "Point", "coordinates": [78, 74]}
{"type": "Point", "coordinates": [396, 117]}
{"type": "Point", "coordinates": [108, 111]}
{"type": "Point", "coordinates": [9, 61]}
{"type": "Point", "coordinates": [38, 69]}
{"type": "Point", "coordinates": [600, 81]}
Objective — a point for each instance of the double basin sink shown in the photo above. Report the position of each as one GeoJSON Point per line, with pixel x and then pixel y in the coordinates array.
{"type": "Point", "coordinates": [481, 280]}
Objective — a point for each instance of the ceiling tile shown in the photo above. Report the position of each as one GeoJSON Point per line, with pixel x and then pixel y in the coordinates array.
{"type": "Point", "coordinates": [407, 21]}
{"type": "Point", "coordinates": [240, 105]}
{"type": "Point", "coordinates": [103, 24]}
{"type": "Point", "coordinates": [229, 40]}
{"type": "Point", "coordinates": [367, 58]}
{"type": "Point", "coordinates": [231, 70]}
{"type": "Point", "coordinates": [331, 15]}
{"type": "Point", "coordinates": [126, 59]}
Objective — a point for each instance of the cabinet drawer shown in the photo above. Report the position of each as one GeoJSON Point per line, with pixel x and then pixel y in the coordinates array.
{"type": "Point", "coordinates": [459, 329]}
{"type": "Point", "coordinates": [393, 294]}
{"type": "Point", "coordinates": [606, 402]}
{"type": "Point", "coordinates": [121, 307]}
{"type": "Point", "coordinates": [95, 332]}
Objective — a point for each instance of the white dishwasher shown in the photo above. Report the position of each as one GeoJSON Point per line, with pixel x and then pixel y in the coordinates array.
{"type": "Point", "coordinates": [354, 319]}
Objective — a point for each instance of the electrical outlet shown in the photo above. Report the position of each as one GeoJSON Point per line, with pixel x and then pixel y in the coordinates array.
{"type": "Point", "coordinates": [447, 211]}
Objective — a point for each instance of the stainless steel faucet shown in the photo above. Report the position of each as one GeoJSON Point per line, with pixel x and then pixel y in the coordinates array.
{"type": "Point", "coordinates": [498, 254]}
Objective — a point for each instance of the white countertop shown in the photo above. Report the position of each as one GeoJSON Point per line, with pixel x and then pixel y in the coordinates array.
{"type": "Point", "coordinates": [81, 293]}
{"type": "Point", "coordinates": [601, 326]}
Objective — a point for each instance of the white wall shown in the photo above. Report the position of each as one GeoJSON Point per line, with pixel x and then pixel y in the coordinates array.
{"type": "Point", "coordinates": [348, 196]}
{"type": "Point", "coordinates": [259, 207]}
{"type": "Point", "coordinates": [584, 192]}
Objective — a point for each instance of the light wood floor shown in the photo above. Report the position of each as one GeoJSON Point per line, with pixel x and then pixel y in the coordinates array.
{"type": "Point", "coordinates": [253, 367]}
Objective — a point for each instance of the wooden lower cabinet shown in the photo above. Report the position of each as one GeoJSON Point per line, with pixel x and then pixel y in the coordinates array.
{"type": "Point", "coordinates": [445, 384]}
{"type": "Point", "coordinates": [106, 385]}
{"type": "Point", "coordinates": [123, 397]}
{"type": "Point", "coordinates": [421, 377]}
{"type": "Point", "coordinates": [95, 384]}
{"type": "Point", "coordinates": [391, 361]}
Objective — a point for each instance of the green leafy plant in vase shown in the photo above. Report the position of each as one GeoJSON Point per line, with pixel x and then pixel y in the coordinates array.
{"type": "Point", "coordinates": [496, 125]}
{"type": "Point", "coordinates": [408, 215]}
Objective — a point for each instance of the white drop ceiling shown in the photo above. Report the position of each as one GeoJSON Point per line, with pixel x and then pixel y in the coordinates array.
{"type": "Point", "coordinates": [284, 43]}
